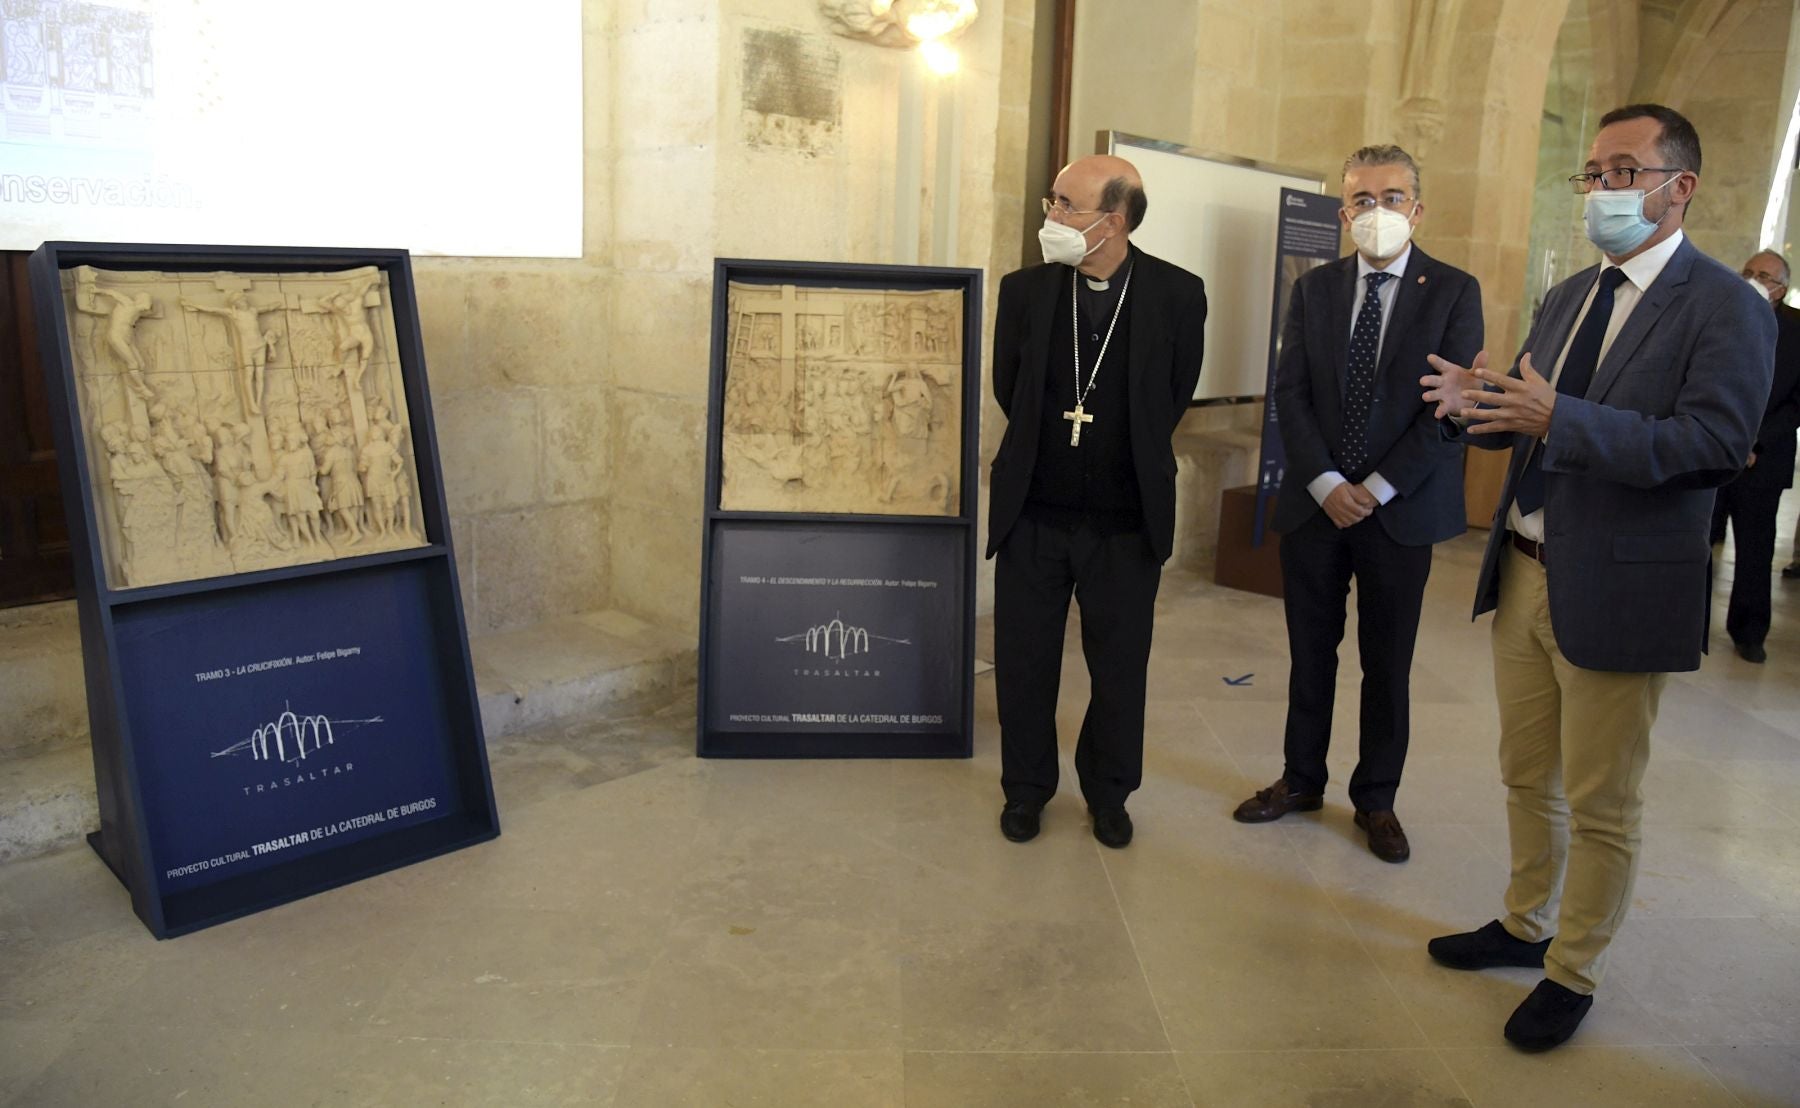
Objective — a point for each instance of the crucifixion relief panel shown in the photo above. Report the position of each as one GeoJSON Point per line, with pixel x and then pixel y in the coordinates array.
{"type": "Point", "coordinates": [240, 421]}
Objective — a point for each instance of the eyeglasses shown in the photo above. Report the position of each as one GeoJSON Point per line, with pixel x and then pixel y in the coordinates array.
{"type": "Point", "coordinates": [1393, 202]}
{"type": "Point", "coordinates": [1062, 207]}
{"type": "Point", "coordinates": [1621, 177]}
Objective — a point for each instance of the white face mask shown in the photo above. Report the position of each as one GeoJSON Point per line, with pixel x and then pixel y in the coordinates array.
{"type": "Point", "coordinates": [1381, 233]}
{"type": "Point", "coordinates": [1762, 290]}
{"type": "Point", "coordinates": [1063, 243]}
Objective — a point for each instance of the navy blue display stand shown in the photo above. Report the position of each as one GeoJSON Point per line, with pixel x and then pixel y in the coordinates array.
{"type": "Point", "coordinates": [839, 634]}
{"type": "Point", "coordinates": [263, 736]}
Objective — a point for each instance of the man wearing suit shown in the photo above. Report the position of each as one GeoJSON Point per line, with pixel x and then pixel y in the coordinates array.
{"type": "Point", "coordinates": [1751, 502]}
{"type": "Point", "coordinates": [1371, 484]}
{"type": "Point", "coordinates": [1637, 393]}
{"type": "Point", "coordinates": [1096, 354]}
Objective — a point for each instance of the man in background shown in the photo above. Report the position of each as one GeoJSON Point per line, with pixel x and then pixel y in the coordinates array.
{"type": "Point", "coordinates": [1751, 502]}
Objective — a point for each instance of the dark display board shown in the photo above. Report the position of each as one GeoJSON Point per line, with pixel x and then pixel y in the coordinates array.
{"type": "Point", "coordinates": [843, 627]}
{"type": "Point", "coordinates": [1307, 239]}
{"type": "Point", "coordinates": [261, 736]}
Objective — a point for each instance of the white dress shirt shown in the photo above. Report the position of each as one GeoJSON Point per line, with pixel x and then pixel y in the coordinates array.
{"type": "Point", "coordinates": [1640, 273]}
{"type": "Point", "coordinates": [1321, 486]}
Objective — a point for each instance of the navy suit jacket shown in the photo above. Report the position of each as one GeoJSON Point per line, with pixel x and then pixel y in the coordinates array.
{"type": "Point", "coordinates": [1168, 325]}
{"type": "Point", "coordinates": [1437, 310]}
{"type": "Point", "coordinates": [1632, 467]}
{"type": "Point", "coordinates": [1774, 468]}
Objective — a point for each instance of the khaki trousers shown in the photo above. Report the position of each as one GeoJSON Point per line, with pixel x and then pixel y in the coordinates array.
{"type": "Point", "coordinates": [1573, 747]}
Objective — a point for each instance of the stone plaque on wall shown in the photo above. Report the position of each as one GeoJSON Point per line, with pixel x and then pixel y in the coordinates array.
{"type": "Point", "coordinates": [793, 94]}
{"type": "Point", "coordinates": [240, 421]}
{"type": "Point", "coordinates": [842, 400]}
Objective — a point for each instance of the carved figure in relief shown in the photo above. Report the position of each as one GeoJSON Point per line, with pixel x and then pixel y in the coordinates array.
{"type": "Point", "coordinates": [379, 464]}
{"type": "Point", "coordinates": [351, 322]}
{"type": "Point", "coordinates": [848, 422]}
{"type": "Point", "coordinates": [320, 438]}
{"type": "Point", "coordinates": [251, 343]}
{"type": "Point", "coordinates": [259, 536]}
{"type": "Point", "coordinates": [121, 324]}
{"type": "Point", "coordinates": [229, 459]}
{"type": "Point", "coordinates": [299, 490]}
{"type": "Point", "coordinates": [402, 491]}
{"type": "Point", "coordinates": [147, 506]}
{"type": "Point", "coordinates": [345, 500]}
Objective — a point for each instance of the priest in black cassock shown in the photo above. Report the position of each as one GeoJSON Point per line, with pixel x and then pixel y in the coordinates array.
{"type": "Point", "coordinates": [1096, 354]}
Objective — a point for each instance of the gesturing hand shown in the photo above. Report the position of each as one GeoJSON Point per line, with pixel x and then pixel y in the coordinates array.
{"type": "Point", "coordinates": [1349, 504]}
{"type": "Point", "coordinates": [1445, 388]}
{"type": "Point", "coordinates": [1523, 404]}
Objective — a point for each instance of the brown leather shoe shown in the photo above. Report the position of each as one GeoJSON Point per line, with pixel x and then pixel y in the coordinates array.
{"type": "Point", "coordinates": [1386, 840]}
{"type": "Point", "coordinates": [1274, 802]}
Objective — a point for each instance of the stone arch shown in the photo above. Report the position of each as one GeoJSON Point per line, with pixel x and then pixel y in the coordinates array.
{"type": "Point", "coordinates": [1483, 168]}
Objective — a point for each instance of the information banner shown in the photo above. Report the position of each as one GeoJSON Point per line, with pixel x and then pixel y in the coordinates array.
{"type": "Point", "coordinates": [306, 717]}
{"type": "Point", "coordinates": [1307, 238]}
{"type": "Point", "coordinates": [847, 630]}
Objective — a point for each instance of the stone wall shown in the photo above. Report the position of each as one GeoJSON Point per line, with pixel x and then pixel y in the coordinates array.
{"type": "Point", "coordinates": [571, 394]}
{"type": "Point", "coordinates": [1734, 103]}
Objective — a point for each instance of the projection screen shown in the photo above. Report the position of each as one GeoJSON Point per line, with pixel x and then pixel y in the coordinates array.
{"type": "Point", "coordinates": [441, 128]}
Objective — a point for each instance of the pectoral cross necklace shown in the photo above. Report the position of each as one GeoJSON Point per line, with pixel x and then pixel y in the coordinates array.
{"type": "Point", "coordinates": [1079, 415]}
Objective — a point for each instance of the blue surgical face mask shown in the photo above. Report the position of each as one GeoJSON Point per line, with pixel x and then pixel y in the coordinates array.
{"type": "Point", "coordinates": [1615, 218]}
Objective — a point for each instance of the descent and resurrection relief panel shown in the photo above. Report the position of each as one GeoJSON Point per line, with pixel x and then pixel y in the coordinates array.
{"type": "Point", "coordinates": [240, 421]}
{"type": "Point", "coordinates": [842, 400]}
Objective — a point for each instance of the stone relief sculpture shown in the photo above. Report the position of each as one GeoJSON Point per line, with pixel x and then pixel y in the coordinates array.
{"type": "Point", "coordinates": [240, 420]}
{"type": "Point", "coordinates": [842, 400]}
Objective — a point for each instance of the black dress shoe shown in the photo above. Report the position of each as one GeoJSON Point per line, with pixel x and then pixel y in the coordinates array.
{"type": "Point", "coordinates": [1547, 1017]}
{"type": "Point", "coordinates": [1019, 820]}
{"type": "Point", "coordinates": [1276, 801]}
{"type": "Point", "coordinates": [1752, 652]}
{"type": "Point", "coordinates": [1791, 570]}
{"type": "Point", "coordinates": [1112, 826]}
{"type": "Point", "coordinates": [1386, 840]}
{"type": "Point", "coordinates": [1488, 946]}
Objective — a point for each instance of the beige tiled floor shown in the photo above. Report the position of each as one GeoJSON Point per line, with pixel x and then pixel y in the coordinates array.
{"type": "Point", "coordinates": [654, 930]}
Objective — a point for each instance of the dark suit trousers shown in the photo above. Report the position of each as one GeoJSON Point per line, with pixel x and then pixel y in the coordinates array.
{"type": "Point", "coordinates": [1318, 561]}
{"type": "Point", "coordinates": [1752, 514]}
{"type": "Point", "coordinates": [1114, 579]}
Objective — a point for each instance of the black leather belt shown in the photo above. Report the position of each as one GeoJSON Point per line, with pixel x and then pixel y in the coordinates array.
{"type": "Point", "coordinates": [1530, 549]}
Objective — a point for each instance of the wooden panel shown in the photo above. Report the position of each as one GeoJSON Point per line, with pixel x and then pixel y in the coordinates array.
{"type": "Point", "coordinates": [1240, 565]}
{"type": "Point", "coordinates": [34, 536]}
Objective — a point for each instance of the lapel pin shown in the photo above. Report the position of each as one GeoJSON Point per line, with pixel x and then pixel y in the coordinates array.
{"type": "Point", "coordinates": [1421, 278]}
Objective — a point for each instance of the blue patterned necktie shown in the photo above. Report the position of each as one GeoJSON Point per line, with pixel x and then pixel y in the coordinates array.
{"type": "Point", "coordinates": [1359, 380]}
{"type": "Point", "coordinates": [1577, 373]}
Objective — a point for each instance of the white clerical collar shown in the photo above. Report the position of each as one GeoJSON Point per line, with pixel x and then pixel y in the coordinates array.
{"type": "Point", "coordinates": [1097, 286]}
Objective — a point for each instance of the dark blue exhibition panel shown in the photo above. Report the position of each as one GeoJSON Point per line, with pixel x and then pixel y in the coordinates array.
{"type": "Point", "coordinates": [844, 638]}
{"type": "Point", "coordinates": [294, 719]}
{"type": "Point", "coordinates": [262, 736]}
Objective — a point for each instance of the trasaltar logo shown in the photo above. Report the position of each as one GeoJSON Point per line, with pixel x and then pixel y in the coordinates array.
{"type": "Point", "coordinates": [838, 641]}
{"type": "Point", "coordinates": [1295, 202]}
{"type": "Point", "coordinates": [291, 737]}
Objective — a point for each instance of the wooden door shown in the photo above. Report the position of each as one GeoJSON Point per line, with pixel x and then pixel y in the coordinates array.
{"type": "Point", "coordinates": [35, 564]}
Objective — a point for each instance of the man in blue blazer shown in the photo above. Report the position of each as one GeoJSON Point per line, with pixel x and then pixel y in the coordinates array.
{"type": "Point", "coordinates": [1637, 394]}
{"type": "Point", "coordinates": [1370, 485]}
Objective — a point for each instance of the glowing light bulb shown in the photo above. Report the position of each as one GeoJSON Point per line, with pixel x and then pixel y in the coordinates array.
{"type": "Point", "coordinates": [940, 59]}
